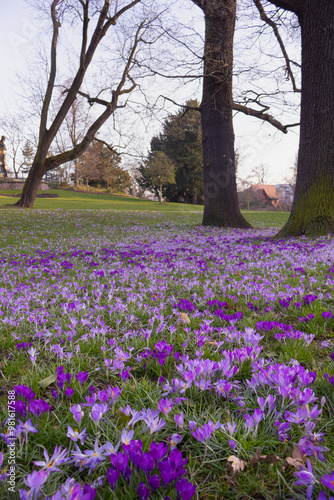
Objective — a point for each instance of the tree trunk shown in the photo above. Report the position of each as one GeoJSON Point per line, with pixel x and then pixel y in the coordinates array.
{"type": "Point", "coordinates": [31, 185]}
{"type": "Point", "coordinates": [221, 207]}
{"type": "Point", "coordinates": [76, 173]}
{"type": "Point", "coordinates": [312, 212]}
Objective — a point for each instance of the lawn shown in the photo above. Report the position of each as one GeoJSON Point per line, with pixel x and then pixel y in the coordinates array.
{"type": "Point", "coordinates": [144, 356]}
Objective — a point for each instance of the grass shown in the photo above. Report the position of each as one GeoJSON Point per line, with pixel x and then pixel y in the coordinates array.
{"type": "Point", "coordinates": [77, 283]}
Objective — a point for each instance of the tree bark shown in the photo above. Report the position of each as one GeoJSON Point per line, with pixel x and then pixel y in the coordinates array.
{"type": "Point", "coordinates": [312, 212]}
{"type": "Point", "coordinates": [31, 185]}
{"type": "Point", "coordinates": [221, 207]}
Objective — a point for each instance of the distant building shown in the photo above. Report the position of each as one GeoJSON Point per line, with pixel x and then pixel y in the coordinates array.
{"type": "Point", "coordinates": [267, 197]}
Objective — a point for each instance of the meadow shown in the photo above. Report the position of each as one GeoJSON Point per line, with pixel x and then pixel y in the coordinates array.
{"type": "Point", "coordinates": [146, 357]}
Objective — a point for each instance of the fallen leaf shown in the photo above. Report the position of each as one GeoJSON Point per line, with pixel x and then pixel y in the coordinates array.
{"type": "Point", "coordinates": [237, 464]}
{"type": "Point", "coordinates": [297, 460]}
{"type": "Point", "coordinates": [47, 381]}
{"type": "Point", "coordinates": [184, 317]}
{"type": "Point", "coordinates": [269, 459]}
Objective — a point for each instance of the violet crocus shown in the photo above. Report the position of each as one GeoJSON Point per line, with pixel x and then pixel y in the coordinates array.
{"type": "Point", "coordinates": [328, 481]}
{"type": "Point", "coordinates": [174, 440]}
{"type": "Point", "coordinates": [185, 489]}
{"type": "Point", "coordinates": [35, 481]}
{"type": "Point", "coordinates": [75, 435]}
{"type": "Point", "coordinates": [306, 478]}
{"type": "Point", "coordinates": [158, 450]}
{"type": "Point", "coordinates": [77, 413]}
{"type": "Point", "coordinates": [147, 463]}
{"type": "Point", "coordinates": [58, 458]}
{"type": "Point", "coordinates": [143, 491]}
{"type": "Point", "coordinates": [165, 405]}
{"type": "Point", "coordinates": [112, 477]}
{"type": "Point", "coordinates": [154, 482]}
{"type": "Point", "coordinates": [126, 436]}
{"type": "Point", "coordinates": [69, 392]}
{"type": "Point", "coordinates": [119, 461]}
{"type": "Point", "coordinates": [179, 420]}
{"type": "Point", "coordinates": [81, 377]}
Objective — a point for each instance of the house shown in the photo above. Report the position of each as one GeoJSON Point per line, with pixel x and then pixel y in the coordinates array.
{"type": "Point", "coordinates": [267, 197]}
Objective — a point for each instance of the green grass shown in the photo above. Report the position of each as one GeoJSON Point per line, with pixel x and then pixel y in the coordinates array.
{"type": "Point", "coordinates": [74, 200]}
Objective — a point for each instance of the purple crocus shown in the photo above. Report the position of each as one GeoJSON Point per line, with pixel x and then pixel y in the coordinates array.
{"type": "Point", "coordinates": [147, 463]}
{"type": "Point", "coordinates": [328, 481]}
{"type": "Point", "coordinates": [69, 392]}
{"type": "Point", "coordinates": [306, 478]}
{"type": "Point", "coordinates": [112, 477]}
{"type": "Point", "coordinates": [143, 491]}
{"type": "Point", "coordinates": [179, 420]}
{"type": "Point", "coordinates": [81, 377]}
{"type": "Point", "coordinates": [165, 405]}
{"type": "Point", "coordinates": [35, 481]}
{"type": "Point", "coordinates": [154, 482]}
{"type": "Point", "coordinates": [51, 464]}
{"type": "Point", "coordinates": [185, 489]}
{"type": "Point", "coordinates": [158, 451]}
{"type": "Point", "coordinates": [119, 461]}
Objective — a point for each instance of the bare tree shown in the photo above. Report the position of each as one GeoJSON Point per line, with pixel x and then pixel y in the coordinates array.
{"type": "Point", "coordinates": [85, 11]}
{"type": "Point", "coordinates": [12, 127]}
{"type": "Point", "coordinates": [260, 174]}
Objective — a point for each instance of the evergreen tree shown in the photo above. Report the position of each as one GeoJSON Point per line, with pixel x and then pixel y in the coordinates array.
{"type": "Point", "coordinates": [181, 141]}
{"type": "Point", "coordinates": [28, 156]}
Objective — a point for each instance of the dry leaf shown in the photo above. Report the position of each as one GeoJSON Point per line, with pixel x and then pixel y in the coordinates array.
{"type": "Point", "coordinates": [269, 459]}
{"type": "Point", "coordinates": [185, 318]}
{"type": "Point", "coordinates": [211, 342]}
{"type": "Point", "coordinates": [297, 460]}
{"type": "Point", "coordinates": [237, 464]}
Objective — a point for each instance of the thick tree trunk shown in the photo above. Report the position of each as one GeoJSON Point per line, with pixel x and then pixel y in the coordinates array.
{"type": "Point", "coordinates": [312, 212]}
{"type": "Point", "coordinates": [221, 207]}
{"type": "Point", "coordinates": [31, 185]}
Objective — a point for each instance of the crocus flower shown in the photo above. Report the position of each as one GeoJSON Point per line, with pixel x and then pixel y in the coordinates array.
{"type": "Point", "coordinates": [158, 451]}
{"type": "Point", "coordinates": [77, 413]}
{"type": "Point", "coordinates": [51, 464]}
{"type": "Point", "coordinates": [179, 420]}
{"type": "Point", "coordinates": [154, 482]}
{"type": "Point", "coordinates": [143, 491]}
{"type": "Point", "coordinates": [165, 405]}
{"type": "Point", "coordinates": [75, 435]}
{"type": "Point", "coordinates": [35, 481]}
{"type": "Point", "coordinates": [306, 478]}
{"type": "Point", "coordinates": [112, 477]}
{"type": "Point", "coordinates": [69, 392]}
{"type": "Point", "coordinates": [186, 490]}
{"type": "Point", "coordinates": [119, 461]}
{"type": "Point", "coordinates": [81, 377]}
{"type": "Point", "coordinates": [126, 436]}
{"type": "Point", "coordinates": [26, 427]}
{"type": "Point", "coordinates": [328, 481]}
{"type": "Point", "coordinates": [174, 440]}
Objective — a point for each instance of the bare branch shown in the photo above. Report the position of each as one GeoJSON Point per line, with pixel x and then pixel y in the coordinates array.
{"type": "Point", "coordinates": [262, 116]}
{"type": "Point", "coordinates": [53, 70]}
{"type": "Point", "coordinates": [185, 106]}
{"type": "Point", "coordinates": [124, 9]}
{"type": "Point", "coordinates": [274, 27]}
{"type": "Point", "coordinates": [84, 32]}
{"type": "Point", "coordinates": [91, 100]}
{"type": "Point", "coordinates": [111, 148]}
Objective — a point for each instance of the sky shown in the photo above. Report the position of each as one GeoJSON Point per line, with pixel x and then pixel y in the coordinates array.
{"type": "Point", "coordinates": [257, 142]}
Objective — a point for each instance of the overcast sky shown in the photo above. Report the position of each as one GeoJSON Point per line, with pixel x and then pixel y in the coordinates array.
{"type": "Point", "coordinates": [257, 142]}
